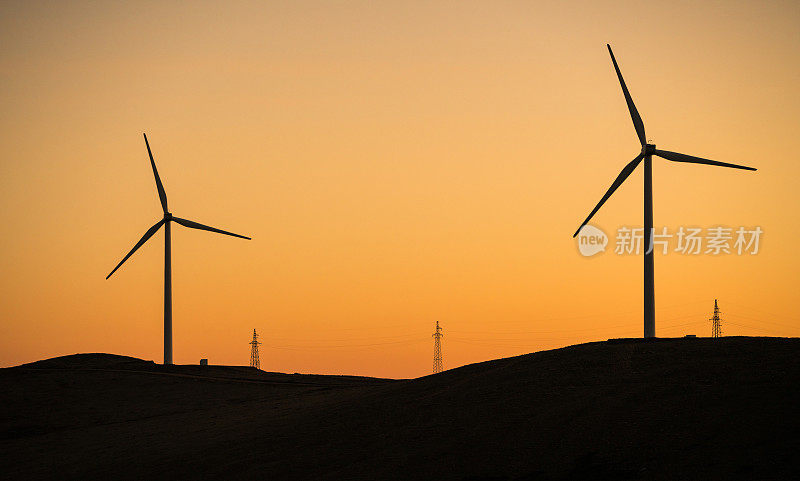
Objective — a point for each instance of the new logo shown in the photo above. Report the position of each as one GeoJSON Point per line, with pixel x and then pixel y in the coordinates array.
{"type": "Point", "coordinates": [591, 240]}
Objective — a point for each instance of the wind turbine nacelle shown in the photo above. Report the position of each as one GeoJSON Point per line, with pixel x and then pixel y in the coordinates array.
{"type": "Point", "coordinates": [649, 149]}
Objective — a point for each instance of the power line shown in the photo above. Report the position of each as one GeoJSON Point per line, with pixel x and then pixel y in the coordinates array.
{"type": "Point", "coordinates": [341, 346]}
{"type": "Point", "coordinates": [769, 330]}
{"type": "Point", "coordinates": [785, 326]}
{"type": "Point", "coordinates": [771, 314]}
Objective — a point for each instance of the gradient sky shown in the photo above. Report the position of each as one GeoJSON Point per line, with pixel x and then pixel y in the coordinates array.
{"type": "Point", "coordinates": [396, 163]}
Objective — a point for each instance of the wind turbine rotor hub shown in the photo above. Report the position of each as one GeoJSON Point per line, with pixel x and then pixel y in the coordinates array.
{"type": "Point", "coordinates": [168, 215]}
{"type": "Point", "coordinates": [649, 149]}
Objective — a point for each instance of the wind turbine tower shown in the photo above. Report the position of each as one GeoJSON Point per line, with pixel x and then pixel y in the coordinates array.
{"type": "Point", "coordinates": [254, 361]}
{"type": "Point", "coordinates": [716, 326]}
{"type": "Point", "coordinates": [437, 349]}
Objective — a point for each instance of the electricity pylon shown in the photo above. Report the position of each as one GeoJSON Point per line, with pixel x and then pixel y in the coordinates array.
{"type": "Point", "coordinates": [437, 349]}
{"type": "Point", "coordinates": [716, 326]}
{"type": "Point", "coordinates": [254, 361]}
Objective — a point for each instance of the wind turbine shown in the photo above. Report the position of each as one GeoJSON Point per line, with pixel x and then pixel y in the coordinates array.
{"type": "Point", "coordinates": [166, 221]}
{"type": "Point", "coordinates": [647, 153]}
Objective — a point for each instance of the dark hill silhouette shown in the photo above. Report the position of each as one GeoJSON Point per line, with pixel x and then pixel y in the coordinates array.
{"type": "Point", "coordinates": [663, 409]}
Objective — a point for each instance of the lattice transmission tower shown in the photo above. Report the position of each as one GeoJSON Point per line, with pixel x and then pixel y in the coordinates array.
{"type": "Point", "coordinates": [254, 361]}
{"type": "Point", "coordinates": [716, 322]}
{"type": "Point", "coordinates": [437, 349]}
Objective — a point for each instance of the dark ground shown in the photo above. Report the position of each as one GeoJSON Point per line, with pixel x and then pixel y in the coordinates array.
{"type": "Point", "coordinates": [666, 409]}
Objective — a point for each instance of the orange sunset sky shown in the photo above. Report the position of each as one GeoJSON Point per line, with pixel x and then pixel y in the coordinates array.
{"type": "Point", "coordinates": [396, 163]}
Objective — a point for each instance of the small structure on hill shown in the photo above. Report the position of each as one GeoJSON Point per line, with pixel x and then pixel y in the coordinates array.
{"type": "Point", "coordinates": [716, 322]}
{"type": "Point", "coordinates": [254, 361]}
{"type": "Point", "coordinates": [437, 349]}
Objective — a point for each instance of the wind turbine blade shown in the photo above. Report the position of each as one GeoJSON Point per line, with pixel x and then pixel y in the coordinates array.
{"type": "Point", "coordinates": [626, 171]}
{"type": "Point", "coordinates": [637, 119]}
{"type": "Point", "coordinates": [162, 195]}
{"type": "Point", "coordinates": [195, 225]}
{"type": "Point", "coordinates": [676, 157]}
{"type": "Point", "coordinates": [144, 238]}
